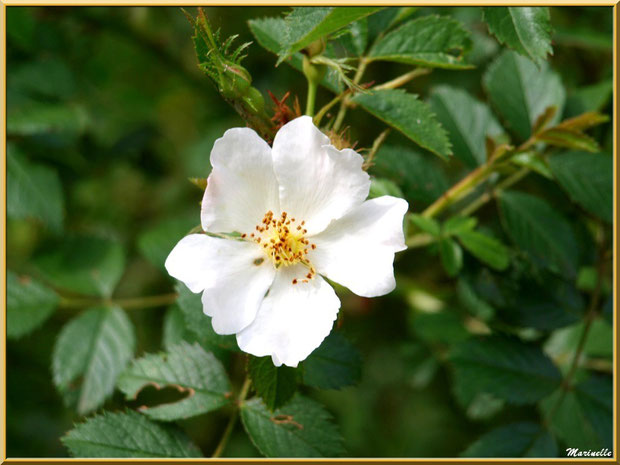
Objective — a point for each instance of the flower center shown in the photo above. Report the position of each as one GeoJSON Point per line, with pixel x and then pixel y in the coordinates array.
{"type": "Point", "coordinates": [283, 240]}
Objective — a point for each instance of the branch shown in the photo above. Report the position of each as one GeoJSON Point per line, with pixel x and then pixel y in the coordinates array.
{"type": "Point", "coordinates": [589, 318]}
{"type": "Point", "coordinates": [130, 303]}
{"type": "Point", "coordinates": [375, 147]}
{"type": "Point", "coordinates": [232, 421]}
{"type": "Point", "coordinates": [403, 79]}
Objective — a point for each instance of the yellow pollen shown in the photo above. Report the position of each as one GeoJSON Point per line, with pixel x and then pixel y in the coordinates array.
{"type": "Point", "coordinates": [283, 245]}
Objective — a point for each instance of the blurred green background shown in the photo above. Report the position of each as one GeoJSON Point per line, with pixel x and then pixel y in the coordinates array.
{"type": "Point", "coordinates": [111, 98]}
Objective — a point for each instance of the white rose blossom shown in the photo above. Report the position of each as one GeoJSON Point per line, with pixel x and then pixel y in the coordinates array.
{"type": "Point", "coordinates": [302, 213]}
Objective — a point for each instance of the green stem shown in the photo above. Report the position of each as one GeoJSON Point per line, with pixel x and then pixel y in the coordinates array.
{"type": "Point", "coordinates": [375, 147]}
{"type": "Point", "coordinates": [484, 198]}
{"type": "Point", "coordinates": [127, 304]}
{"type": "Point", "coordinates": [345, 102]}
{"type": "Point", "coordinates": [589, 319]}
{"type": "Point", "coordinates": [403, 79]}
{"type": "Point", "coordinates": [321, 113]}
{"type": "Point", "coordinates": [469, 182]}
{"type": "Point", "coordinates": [312, 87]}
{"type": "Point", "coordinates": [459, 190]}
{"type": "Point", "coordinates": [232, 421]}
{"type": "Point", "coordinates": [419, 240]}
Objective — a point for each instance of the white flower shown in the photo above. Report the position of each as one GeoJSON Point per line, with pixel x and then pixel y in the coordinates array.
{"type": "Point", "coordinates": [300, 207]}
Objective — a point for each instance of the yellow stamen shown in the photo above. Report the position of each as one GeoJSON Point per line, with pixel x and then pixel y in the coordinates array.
{"type": "Point", "coordinates": [283, 245]}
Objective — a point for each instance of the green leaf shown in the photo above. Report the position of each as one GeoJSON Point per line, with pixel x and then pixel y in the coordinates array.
{"type": "Point", "coordinates": [588, 179]}
{"type": "Point", "coordinates": [483, 406]}
{"type": "Point", "coordinates": [127, 434]}
{"type": "Point", "coordinates": [486, 249]}
{"type": "Point", "coordinates": [21, 28]}
{"type": "Point", "coordinates": [546, 303]}
{"type": "Point", "coordinates": [533, 161]}
{"type": "Point", "coordinates": [451, 256]}
{"type": "Point", "coordinates": [270, 33]}
{"type": "Point", "coordinates": [523, 439]}
{"type": "Point", "coordinates": [200, 324]}
{"type": "Point", "coordinates": [303, 428]}
{"type": "Point", "coordinates": [86, 265]}
{"type": "Point", "coordinates": [568, 138]}
{"type": "Point", "coordinates": [591, 38]}
{"type": "Point", "coordinates": [305, 25]}
{"type": "Point", "coordinates": [443, 327]}
{"type": "Point", "coordinates": [33, 191]}
{"type": "Point", "coordinates": [174, 329]}
{"type": "Point", "coordinates": [406, 113]}
{"type": "Point", "coordinates": [34, 118]}
{"type": "Point", "coordinates": [521, 92]}
{"type": "Point", "coordinates": [524, 29]}
{"type": "Point", "coordinates": [380, 187]}
{"type": "Point", "coordinates": [467, 130]}
{"type": "Point", "coordinates": [589, 98]}
{"type": "Point", "coordinates": [570, 132]}
{"type": "Point", "coordinates": [355, 39]}
{"type": "Point", "coordinates": [563, 343]}
{"type": "Point", "coordinates": [157, 242]}
{"type": "Point", "coordinates": [429, 41]}
{"type": "Point", "coordinates": [93, 347]}
{"type": "Point", "coordinates": [507, 368]}
{"type": "Point", "coordinates": [472, 301]}
{"type": "Point", "coordinates": [428, 225]}
{"type": "Point", "coordinates": [47, 77]}
{"type": "Point", "coordinates": [540, 231]}
{"type": "Point", "coordinates": [458, 224]}
{"type": "Point", "coordinates": [583, 417]}
{"type": "Point", "coordinates": [186, 367]}
{"type": "Point", "coordinates": [420, 177]}
{"type": "Point", "coordinates": [334, 365]}
{"type": "Point", "coordinates": [28, 304]}
{"type": "Point", "coordinates": [275, 385]}
{"type": "Point", "coordinates": [380, 22]}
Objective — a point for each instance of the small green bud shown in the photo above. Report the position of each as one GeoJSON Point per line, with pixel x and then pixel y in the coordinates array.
{"type": "Point", "coordinates": [255, 100]}
{"type": "Point", "coordinates": [314, 73]}
{"type": "Point", "coordinates": [233, 80]}
{"type": "Point", "coordinates": [315, 48]}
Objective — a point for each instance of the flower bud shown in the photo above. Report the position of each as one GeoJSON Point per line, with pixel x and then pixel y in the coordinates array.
{"type": "Point", "coordinates": [233, 80]}
{"type": "Point", "coordinates": [254, 99]}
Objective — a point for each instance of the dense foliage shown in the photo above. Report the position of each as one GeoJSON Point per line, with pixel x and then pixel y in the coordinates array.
{"type": "Point", "coordinates": [493, 123]}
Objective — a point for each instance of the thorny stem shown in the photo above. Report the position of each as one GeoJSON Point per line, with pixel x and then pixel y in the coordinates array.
{"type": "Point", "coordinates": [589, 319]}
{"type": "Point", "coordinates": [130, 303]}
{"type": "Point", "coordinates": [232, 421]}
{"type": "Point", "coordinates": [345, 104]}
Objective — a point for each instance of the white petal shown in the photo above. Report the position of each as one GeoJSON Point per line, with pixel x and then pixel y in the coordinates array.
{"type": "Point", "coordinates": [293, 319]}
{"type": "Point", "coordinates": [190, 261]}
{"type": "Point", "coordinates": [357, 250]}
{"type": "Point", "coordinates": [234, 296]}
{"type": "Point", "coordinates": [317, 182]}
{"type": "Point", "coordinates": [234, 275]}
{"type": "Point", "coordinates": [242, 186]}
